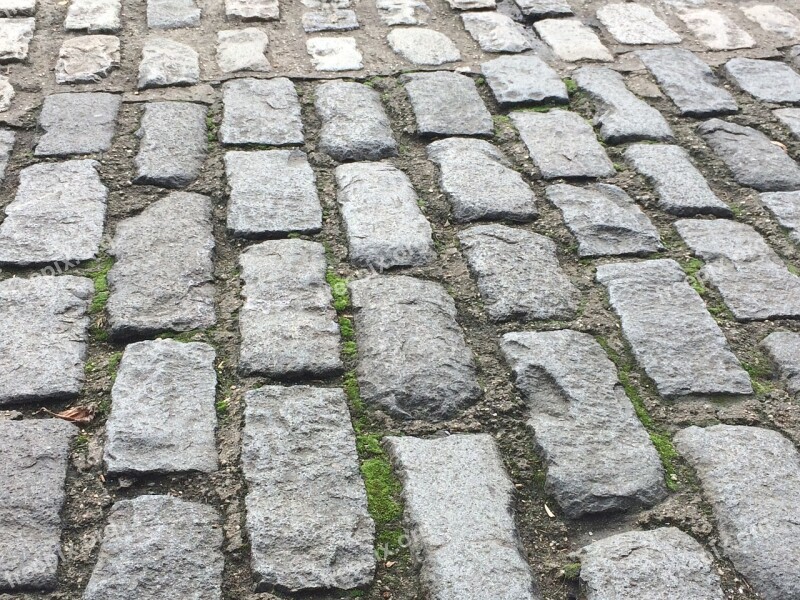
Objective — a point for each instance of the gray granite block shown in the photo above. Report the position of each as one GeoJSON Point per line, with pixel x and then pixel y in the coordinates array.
{"type": "Point", "coordinates": [261, 111]}
{"type": "Point", "coordinates": [81, 123]}
{"type": "Point", "coordinates": [446, 103]}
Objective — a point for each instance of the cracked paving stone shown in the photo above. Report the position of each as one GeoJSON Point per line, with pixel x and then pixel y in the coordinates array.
{"type": "Point", "coordinates": [334, 54]}
{"type": "Point", "coordinates": [253, 10]}
{"type": "Point", "coordinates": [766, 80]}
{"type": "Point", "coordinates": [87, 59]}
{"type": "Point", "coordinates": [7, 138]}
{"type": "Point", "coordinates": [307, 516]}
{"type": "Point", "coordinates": [783, 348]}
{"type": "Point", "coordinates": [671, 334]}
{"type": "Point", "coordinates": [715, 30]}
{"type": "Point", "coordinates": [94, 16]}
{"type": "Point", "coordinates": [261, 111]}
{"type": "Point", "coordinates": [172, 14]}
{"type": "Point", "coordinates": [774, 19]}
{"type": "Point", "coordinates": [571, 40]}
{"type": "Point", "coordinates": [7, 93]}
{"type": "Point", "coordinates": [524, 79]}
{"type": "Point", "coordinates": [15, 36]}
{"type": "Point", "coordinates": [330, 20]}
{"type": "Point", "coordinates": [242, 50]}
{"type": "Point", "coordinates": [635, 24]}
{"type": "Point", "coordinates": [542, 9]}
{"type": "Point", "coordinates": [166, 62]}
{"type": "Point", "coordinates": [423, 46]}
{"type": "Point", "coordinates": [403, 12]}
{"type": "Point", "coordinates": [77, 123]}
{"type": "Point", "coordinates": [786, 208]}
{"type": "Point", "coordinates": [790, 117]}
{"type": "Point", "coordinates": [496, 32]}
{"type": "Point", "coordinates": [18, 8]}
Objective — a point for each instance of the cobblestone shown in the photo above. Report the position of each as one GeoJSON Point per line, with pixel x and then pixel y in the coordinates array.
{"type": "Point", "coordinates": [87, 59]}
{"type": "Point", "coordinates": [447, 103]}
{"type": "Point", "coordinates": [496, 32]}
{"type": "Point", "coordinates": [81, 123]}
{"type": "Point", "coordinates": [765, 79]}
{"type": "Point", "coordinates": [775, 20]}
{"type": "Point", "coordinates": [334, 54]}
{"type": "Point", "coordinates": [259, 111]}
{"type": "Point", "coordinates": [635, 24]}
{"type": "Point", "coordinates": [783, 348]}
{"type": "Point", "coordinates": [791, 118]}
{"type": "Point", "coordinates": [423, 46]}
{"type": "Point", "coordinates": [715, 30]}
{"type": "Point", "coordinates": [94, 16]}
{"type": "Point", "coordinates": [253, 10]}
{"type": "Point", "coordinates": [524, 79]}
{"type": "Point", "coordinates": [786, 208]}
{"type": "Point", "coordinates": [15, 37]}
{"type": "Point", "coordinates": [572, 41]}
{"type": "Point", "coordinates": [541, 9]}
{"type": "Point", "coordinates": [166, 62]}
{"type": "Point", "coordinates": [242, 50]}
{"type": "Point", "coordinates": [172, 14]}
{"type": "Point", "coordinates": [403, 12]}
{"type": "Point", "coordinates": [330, 20]}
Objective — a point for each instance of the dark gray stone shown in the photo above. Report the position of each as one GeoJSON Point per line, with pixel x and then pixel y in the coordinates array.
{"type": "Point", "coordinates": [423, 46]}
{"type": "Point", "coordinates": [496, 32]}
{"type": "Point", "coordinates": [767, 80]}
{"type": "Point", "coordinates": [634, 24]}
{"type": "Point", "coordinates": [15, 37]}
{"type": "Point", "coordinates": [786, 208]}
{"type": "Point", "coordinates": [94, 16]}
{"type": "Point", "coordinates": [81, 123]}
{"type": "Point", "coordinates": [783, 348]}
{"type": "Point", "coordinates": [330, 20]}
{"type": "Point", "coordinates": [242, 50]}
{"type": "Point", "coordinates": [166, 62]}
{"type": "Point", "coordinates": [261, 111]}
{"type": "Point", "coordinates": [541, 9]}
{"type": "Point", "coordinates": [524, 79]}
{"type": "Point", "coordinates": [87, 59]}
{"type": "Point", "coordinates": [790, 117]}
{"type": "Point", "coordinates": [172, 14]}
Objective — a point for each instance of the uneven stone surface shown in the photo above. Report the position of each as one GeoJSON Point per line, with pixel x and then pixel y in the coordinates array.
{"type": "Point", "coordinates": [15, 36]}
{"type": "Point", "coordinates": [783, 348]}
{"type": "Point", "coordinates": [18, 8]}
{"type": "Point", "coordinates": [786, 208]}
{"type": "Point", "coordinates": [765, 79]}
{"type": "Point", "coordinates": [307, 513]}
{"type": "Point", "coordinates": [715, 30]}
{"type": "Point", "coordinates": [334, 54]}
{"type": "Point", "coordinates": [446, 103]}
{"type": "Point", "coordinates": [81, 123]}
{"type": "Point", "coordinates": [166, 62]}
{"type": "Point", "coordinates": [540, 9]}
{"type": "Point", "coordinates": [524, 79]}
{"type": "Point", "coordinates": [94, 16]}
{"type": "Point", "coordinates": [330, 20]}
{"type": "Point", "coordinates": [7, 138]}
{"type": "Point", "coordinates": [635, 24]}
{"type": "Point", "coordinates": [775, 20]}
{"type": "Point", "coordinates": [261, 111]}
{"type": "Point", "coordinates": [253, 10]}
{"type": "Point", "coordinates": [403, 12]}
{"type": "Point", "coordinates": [87, 59]}
{"type": "Point", "coordinates": [242, 50]}
{"type": "Point", "coordinates": [423, 46]}
{"type": "Point", "coordinates": [172, 14]}
{"type": "Point", "coordinates": [7, 93]}
{"type": "Point", "coordinates": [496, 32]}
{"type": "Point", "coordinates": [791, 118]}
{"type": "Point", "coordinates": [571, 40]}
{"type": "Point", "coordinates": [471, 4]}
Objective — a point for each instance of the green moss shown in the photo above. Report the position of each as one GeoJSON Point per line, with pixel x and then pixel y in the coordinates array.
{"type": "Point", "coordinates": [346, 328]}
{"type": "Point", "coordinates": [211, 127]}
{"type": "Point", "coordinates": [341, 297]}
{"type": "Point", "coordinates": [82, 441]}
{"type": "Point", "coordinates": [98, 272]}
{"type": "Point", "coordinates": [222, 407]}
{"type": "Point", "coordinates": [571, 571]}
{"type": "Point", "coordinates": [350, 349]}
{"type": "Point", "coordinates": [382, 488]}
{"type": "Point", "coordinates": [572, 87]}
{"type": "Point", "coordinates": [760, 373]}
{"type": "Point", "coordinates": [113, 365]}
{"type": "Point", "coordinates": [691, 267]}
{"type": "Point", "coordinates": [180, 336]}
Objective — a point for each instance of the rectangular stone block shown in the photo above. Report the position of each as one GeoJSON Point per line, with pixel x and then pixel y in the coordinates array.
{"type": "Point", "coordinates": [775, 20]}
{"type": "Point", "coordinates": [635, 24]}
{"type": "Point", "coordinates": [18, 8]}
{"type": "Point", "coordinates": [15, 37]}
{"type": "Point", "coordinates": [496, 32]}
{"type": "Point", "coordinates": [783, 348]}
{"type": "Point", "coordinates": [790, 117]}
{"type": "Point", "coordinates": [403, 12]}
{"type": "Point", "coordinates": [253, 10]}
{"type": "Point", "coordinates": [541, 9]}
{"type": "Point", "coordinates": [786, 208]}
{"type": "Point", "coordinates": [94, 16]}
{"type": "Point", "coordinates": [572, 41]}
{"type": "Point", "coordinates": [715, 30]}
{"type": "Point", "coordinates": [242, 50]}
{"type": "Point", "coordinates": [166, 62]}
{"type": "Point", "coordinates": [524, 79]}
{"type": "Point", "coordinates": [261, 111]}
{"type": "Point", "coordinates": [766, 80]}
{"type": "Point", "coordinates": [172, 14]}
{"type": "Point", "coordinates": [81, 123]}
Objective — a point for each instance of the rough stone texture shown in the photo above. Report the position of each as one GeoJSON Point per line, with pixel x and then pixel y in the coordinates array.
{"type": "Point", "coordinates": [306, 504]}
{"type": "Point", "coordinates": [57, 215]}
{"type": "Point", "coordinates": [635, 24]}
{"type": "Point", "coordinates": [403, 12]}
{"type": "Point", "coordinates": [791, 118]}
{"type": "Point", "coordinates": [94, 16]}
{"type": "Point", "coordinates": [496, 32]}
{"type": "Point", "coordinates": [621, 115]}
{"type": "Point", "coordinates": [682, 190]}
{"type": "Point", "coordinates": [458, 506]}
{"type": "Point", "coordinates": [751, 157]}
{"type": "Point", "coordinates": [786, 208]}
{"type": "Point", "coordinates": [751, 478]}
{"type": "Point", "coordinates": [253, 10]}
{"type": "Point", "coordinates": [157, 543]}
{"type": "Point", "coordinates": [162, 410]}
{"type": "Point", "coordinates": [783, 348]}
{"type": "Point", "coordinates": [688, 81]}
{"type": "Point", "coordinates": [571, 40]}
{"type": "Point", "coordinates": [518, 274]}
{"type": "Point", "coordinates": [767, 80]}
{"type": "Point", "coordinates": [287, 322]}
{"type": "Point", "coordinates": [15, 36]}
{"type": "Point", "coordinates": [423, 46]}
{"type": "Point", "coordinates": [412, 357]}
{"type": "Point", "coordinates": [447, 103]}
{"type": "Point", "coordinates": [480, 182]}
{"type": "Point", "coordinates": [43, 346]}
{"type": "Point", "coordinates": [540, 9]}
{"type": "Point", "coordinates": [166, 62]}
{"type": "Point", "coordinates": [87, 59]}
{"type": "Point", "coordinates": [7, 93]}
{"type": "Point", "coordinates": [715, 30]}
{"type": "Point", "coordinates": [774, 19]}
{"type": "Point", "coordinates": [330, 20]}
{"type": "Point", "coordinates": [80, 123]}
{"type": "Point", "coordinates": [172, 144]}
{"type": "Point", "coordinates": [172, 14]}
{"type": "Point", "coordinates": [18, 8]}
{"type": "Point", "coordinates": [599, 457]}
{"type": "Point", "coordinates": [162, 278]}
{"type": "Point", "coordinates": [562, 144]}
{"type": "Point", "coordinates": [7, 137]}
{"type": "Point", "coordinates": [334, 54]}
{"type": "Point", "coordinates": [471, 4]}
{"type": "Point", "coordinates": [242, 50]}
{"type": "Point", "coordinates": [794, 55]}
{"type": "Point", "coordinates": [671, 334]}
{"type": "Point", "coordinates": [32, 474]}
{"type": "Point", "coordinates": [382, 220]}
{"type": "Point", "coordinates": [261, 111]}
{"type": "Point", "coordinates": [272, 192]}
{"type": "Point", "coordinates": [605, 220]}
{"type": "Point", "coordinates": [660, 564]}
{"type": "Point", "coordinates": [524, 79]}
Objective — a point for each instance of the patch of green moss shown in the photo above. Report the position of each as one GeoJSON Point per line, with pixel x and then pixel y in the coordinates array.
{"type": "Point", "coordinates": [341, 297]}
{"type": "Point", "coordinates": [382, 490]}
{"type": "Point", "coordinates": [113, 365]}
{"type": "Point", "coordinates": [691, 267]}
{"type": "Point", "coordinates": [760, 373]}
{"type": "Point", "coordinates": [349, 349]}
{"type": "Point", "coordinates": [98, 272]}
{"type": "Point", "coordinates": [572, 87]}
{"type": "Point", "coordinates": [571, 571]}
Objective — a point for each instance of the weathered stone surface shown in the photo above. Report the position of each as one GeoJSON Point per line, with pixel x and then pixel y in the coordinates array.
{"type": "Point", "coordinates": [157, 543]}
{"type": "Point", "coordinates": [621, 115]}
{"type": "Point", "coordinates": [87, 59]}
{"type": "Point", "coordinates": [272, 192]}
{"type": "Point", "coordinates": [330, 20]}
{"type": "Point", "coordinates": [767, 80]}
{"type": "Point", "coordinates": [468, 169]}
{"type": "Point", "coordinates": [715, 30]}
{"type": "Point", "coordinates": [15, 36]}
{"type": "Point", "coordinates": [786, 208]}
{"type": "Point", "coordinates": [524, 79]}
{"type": "Point", "coordinates": [791, 118]}
{"type": "Point", "coordinates": [599, 457]}
{"type": "Point", "coordinates": [7, 137]}
{"type": "Point", "coordinates": [172, 144]}
{"type": "Point", "coordinates": [471, 4]}
{"type": "Point", "coordinates": [562, 144]}
{"type": "Point", "coordinates": [635, 24]}
{"type": "Point", "coordinates": [32, 474]}
{"type": "Point", "coordinates": [384, 226]}
{"type": "Point", "coordinates": [7, 93]}
{"type": "Point", "coordinates": [605, 220]}
{"type": "Point", "coordinates": [261, 111]}
{"type": "Point", "coordinates": [794, 55]}
{"type": "Point", "coordinates": [94, 16]}
{"type": "Point", "coordinates": [447, 103]}
{"type": "Point", "coordinates": [571, 40]}
{"type": "Point", "coordinates": [166, 62]}
{"type": "Point", "coordinates": [751, 478]}
{"type": "Point", "coordinates": [412, 357]}
{"type": "Point", "coordinates": [682, 190]}
{"type": "Point", "coordinates": [18, 8]}
{"type": "Point", "coordinates": [661, 564]}
{"type": "Point", "coordinates": [307, 513]}
{"type": "Point", "coordinates": [774, 19]}
{"type": "Point", "coordinates": [287, 322]}
{"type": "Point", "coordinates": [423, 46]}
{"type": "Point", "coordinates": [163, 275]}
{"type": "Point", "coordinates": [162, 410]}
{"type": "Point", "coordinates": [496, 32]}
{"type": "Point", "coordinates": [334, 54]}
{"type": "Point", "coordinates": [670, 332]}
{"type": "Point", "coordinates": [403, 12]}
{"type": "Point", "coordinates": [459, 507]}
{"type": "Point", "coordinates": [80, 123]}
{"type": "Point", "coordinates": [172, 14]}
{"type": "Point", "coordinates": [540, 9]}
{"type": "Point", "coordinates": [253, 10]}
{"type": "Point", "coordinates": [43, 346]}
{"type": "Point", "coordinates": [688, 81]}
{"type": "Point", "coordinates": [751, 157]}
{"type": "Point", "coordinates": [242, 50]}
{"type": "Point", "coordinates": [783, 348]}
{"type": "Point", "coordinates": [57, 215]}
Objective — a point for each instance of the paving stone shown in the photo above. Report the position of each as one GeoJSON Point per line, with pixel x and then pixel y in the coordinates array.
{"type": "Point", "coordinates": [94, 16]}
{"type": "Point", "coordinates": [287, 322]}
{"type": "Point", "coordinates": [541, 9]}
{"type": "Point", "coordinates": [495, 32]}
{"type": "Point", "coordinates": [715, 30]}
{"type": "Point", "coordinates": [621, 115]}
{"type": "Point", "coordinates": [562, 144]}
{"type": "Point", "coordinates": [767, 80]}
{"type": "Point", "coordinates": [7, 137]}
{"type": "Point", "coordinates": [172, 144]}
{"type": "Point", "coordinates": [166, 62]}
{"type": "Point", "coordinates": [87, 59]}
{"type": "Point", "coordinates": [57, 215]}
{"type": "Point", "coordinates": [471, 4]}
{"type": "Point", "coordinates": [330, 20]}
{"type": "Point", "coordinates": [18, 8]}
{"type": "Point", "coordinates": [468, 168]}
{"type": "Point", "coordinates": [599, 457]}
{"type": "Point", "coordinates": [446, 103]}
{"type": "Point", "coordinates": [32, 476]}
{"type": "Point", "coordinates": [253, 10]}
{"type": "Point", "coordinates": [794, 56]}
{"type": "Point", "coordinates": [660, 564]}
{"type": "Point", "coordinates": [7, 93]}
{"type": "Point", "coordinates": [334, 54]}
{"type": "Point", "coordinates": [242, 50]}
{"type": "Point", "coordinates": [605, 220]}
{"type": "Point", "coordinates": [671, 334]}
{"type": "Point", "coordinates": [162, 410]}
{"type": "Point", "coordinates": [751, 157]}
{"type": "Point", "coordinates": [459, 510]}
{"type": "Point", "coordinates": [785, 206]}
{"type": "Point", "coordinates": [423, 46]}
{"type": "Point", "coordinates": [403, 12]}
{"type": "Point", "coordinates": [79, 123]}
{"type": "Point", "coordinates": [15, 36]}
{"type": "Point", "coordinates": [261, 111]}
{"type": "Point", "coordinates": [307, 516]}
{"type": "Point", "coordinates": [635, 24]}
{"type": "Point", "coordinates": [774, 19]}
{"type": "Point", "coordinates": [272, 192]}
{"type": "Point", "coordinates": [157, 543]}
{"type": "Point", "coordinates": [791, 118]}
{"type": "Point", "coordinates": [413, 360]}
{"type": "Point", "coordinates": [688, 81]}
{"type": "Point", "coordinates": [783, 348]}
{"type": "Point", "coordinates": [325, 4]}
{"type": "Point", "coordinates": [384, 226]}
{"type": "Point", "coordinates": [524, 79]}
{"type": "Point", "coordinates": [751, 479]}
{"type": "Point", "coordinates": [571, 40]}
{"type": "Point", "coordinates": [43, 346]}
{"type": "Point", "coordinates": [162, 278]}
{"type": "Point", "coordinates": [681, 188]}
{"type": "Point", "coordinates": [172, 14]}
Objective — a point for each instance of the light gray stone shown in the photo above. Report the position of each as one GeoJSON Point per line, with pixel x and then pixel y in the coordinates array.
{"type": "Point", "coordinates": [751, 479]}
{"type": "Point", "coordinates": [287, 322]}
{"type": "Point", "coordinates": [791, 118]}
{"type": "Point", "coordinates": [422, 46]}
{"type": "Point", "coordinates": [671, 334]}
{"type": "Point", "coordinates": [767, 80]}
{"type": "Point", "coordinates": [307, 516]}
{"type": "Point", "coordinates": [794, 56]}
{"type": "Point", "coordinates": [261, 111]}
{"type": "Point", "coordinates": [471, 4]}
{"type": "Point", "coordinates": [786, 208]}
{"type": "Point", "coordinates": [253, 10]}
{"type": "Point", "coordinates": [542, 9]}
{"type": "Point", "coordinates": [715, 30]}
{"type": "Point", "coordinates": [94, 16]}
{"type": "Point", "coordinates": [775, 20]}
{"type": "Point", "coordinates": [599, 457]}
{"type": "Point", "coordinates": [413, 360]}
{"type": "Point", "coordinates": [163, 274]}
{"type": "Point", "coordinates": [7, 137]}
{"type": "Point", "coordinates": [524, 79]}
{"type": "Point", "coordinates": [87, 59]}
{"type": "Point", "coordinates": [166, 62]}
{"type": "Point", "coordinates": [15, 37]}
{"type": "Point", "coordinates": [17, 8]}
{"type": "Point", "coordinates": [403, 12]}
{"type": "Point", "coordinates": [330, 20]}
{"type": "Point", "coordinates": [242, 50]}
{"type": "Point", "coordinates": [157, 543]}
{"type": "Point", "coordinates": [572, 41]}
{"type": "Point", "coordinates": [57, 215]}
{"type": "Point", "coordinates": [496, 32]}
{"type": "Point", "coordinates": [7, 93]}
{"type": "Point", "coordinates": [783, 348]}
{"type": "Point", "coordinates": [459, 510]}
{"type": "Point", "coordinates": [45, 330]}
{"type": "Point", "coordinates": [384, 226]}
{"type": "Point", "coordinates": [635, 24]}
{"type": "Point", "coordinates": [80, 123]}
{"type": "Point", "coordinates": [172, 14]}
{"type": "Point", "coordinates": [162, 410]}
{"type": "Point", "coordinates": [446, 103]}
{"type": "Point", "coordinates": [334, 54]}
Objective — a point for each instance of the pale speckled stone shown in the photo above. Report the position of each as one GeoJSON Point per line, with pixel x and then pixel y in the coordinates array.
{"type": "Point", "coordinates": [242, 50]}
{"type": "Point", "coordinates": [330, 20]}
{"type": "Point", "coordinates": [253, 10]}
{"type": "Point", "coordinates": [261, 111]}
{"type": "Point", "coordinates": [791, 118]}
{"type": "Point", "coordinates": [7, 93]}
{"type": "Point", "coordinates": [635, 24]}
{"type": "Point", "coordinates": [774, 19]}
{"type": "Point", "coordinates": [334, 54]}
{"type": "Point", "coordinates": [572, 41]}
{"type": "Point", "coordinates": [524, 79]}
{"type": "Point", "coordinates": [77, 123]}
{"type": "Point", "coordinates": [783, 348]}
{"type": "Point", "coordinates": [446, 103]}
{"type": "Point", "coordinates": [423, 46]}
{"type": "Point", "coordinates": [471, 4]}
{"type": "Point", "coordinates": [715, 30]}
{"type": "Point", "coordinates": [87, 59]}
{"type": "Point", "coordinates": [496, 32]}
{"type": "Point", "coordinates": [15, 36]}
{"type": "Point", "coordinates": [94, 16]}
{"type": "Point", "coordinates": [7, 138]}
{"type": "Point", "coordinates": [766, 80]}
{"type": "Point", "coordinates": [166, 62]}
{"type": "Point", "coordinates": [172, 14]}
{"type": "Point", "coordinates": [786, 208]}
{"type": "Point", "coordinates": [17, 8]}
{"type": "Point", "coordinates": [542, 9]}
{"type": "Point", "coordinates": [403, 12]}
